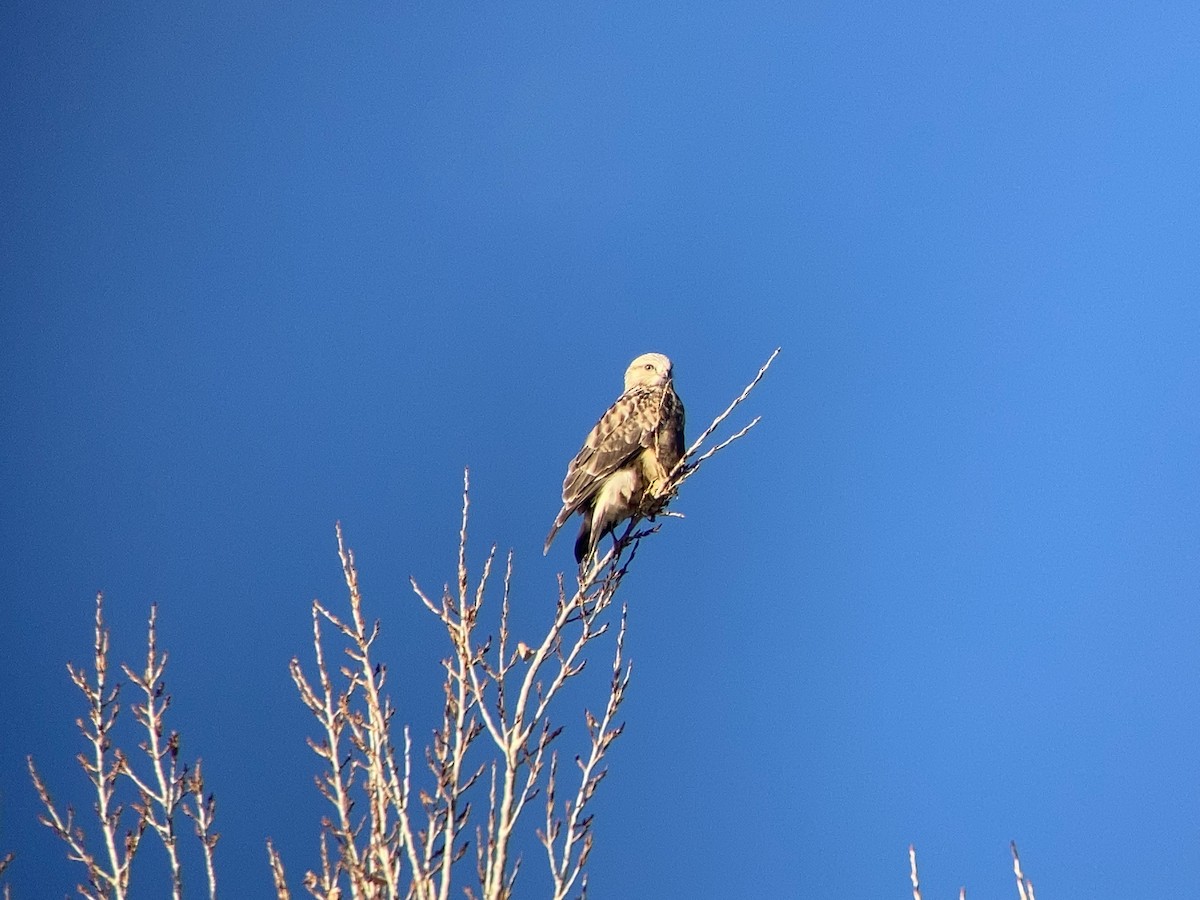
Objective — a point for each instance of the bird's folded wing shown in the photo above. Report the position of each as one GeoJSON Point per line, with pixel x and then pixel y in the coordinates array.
{"type": "Point", "coordinates": [622, 432]}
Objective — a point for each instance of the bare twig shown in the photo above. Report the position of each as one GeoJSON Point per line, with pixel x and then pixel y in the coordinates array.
{"type": "Point", "coordinates": [277, 874]}
{"type": "Point", "coordinates": [160, 799]}
{"type": "Point", "coordinates": [683, 469]}
{"type": "Point", "coordinates": [108, 877]}
{"type": "Point", "coordinates": [202, 812]}
{"type": "Point", "coordinates": [912, 870]}
{"type": "Point", "coordinates": [1024, 885]}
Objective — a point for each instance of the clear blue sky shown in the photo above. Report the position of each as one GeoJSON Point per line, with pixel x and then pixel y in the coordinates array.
{"type": "Point", "coordinates": [267, 267]}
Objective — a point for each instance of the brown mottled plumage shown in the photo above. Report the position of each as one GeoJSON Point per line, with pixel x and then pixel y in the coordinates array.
{"type": "Point", "coordinates": [626, 458]}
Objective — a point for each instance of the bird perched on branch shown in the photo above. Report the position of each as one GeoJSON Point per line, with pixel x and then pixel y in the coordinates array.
{"type": "Point", "coordinates": [625, 463]}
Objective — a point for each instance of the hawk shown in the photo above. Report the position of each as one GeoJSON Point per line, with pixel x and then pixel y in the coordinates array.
{"type": "Point", "coordinates": [625, 461]}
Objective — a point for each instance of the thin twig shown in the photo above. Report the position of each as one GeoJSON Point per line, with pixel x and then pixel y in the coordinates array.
{"type": "Point", "coordinates": [912, 868]}
{"type": "Point", "coordinates": [202, 813]}
{"type": "Point", "coordinates": [277, 874]}
{"type": "Point", "coordinates": [160, 799]}
{"type": "Point", "coordinates": [110, 878]}
{"type": "Point", "coordinates": [1024, 885]}
{"type": "Point", "coordinates": [699, 442]}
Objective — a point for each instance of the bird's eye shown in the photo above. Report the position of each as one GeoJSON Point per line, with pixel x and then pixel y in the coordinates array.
{"type": "Point", "coordinates": [649, 366]}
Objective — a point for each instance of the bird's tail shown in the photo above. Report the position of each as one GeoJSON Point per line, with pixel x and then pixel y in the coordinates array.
{"type": "Point", "coordinates": [585, 544]}
{"type": "Point", "coordinates": [559, 521]}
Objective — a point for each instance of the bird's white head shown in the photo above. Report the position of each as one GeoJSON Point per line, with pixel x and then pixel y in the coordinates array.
{"type": "Point", "coordinates": [648, 370]}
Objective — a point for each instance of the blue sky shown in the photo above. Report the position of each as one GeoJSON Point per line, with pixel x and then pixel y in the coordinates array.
{"type": "Point", "coordinates": [264, 268]}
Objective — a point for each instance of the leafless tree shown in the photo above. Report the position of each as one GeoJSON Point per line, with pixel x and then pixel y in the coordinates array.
{"type": "Point", "coordinates": [496, 750]}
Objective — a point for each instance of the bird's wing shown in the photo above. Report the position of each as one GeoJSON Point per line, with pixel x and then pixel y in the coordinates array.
{"type": "Point", "coordinates": [625, 429]}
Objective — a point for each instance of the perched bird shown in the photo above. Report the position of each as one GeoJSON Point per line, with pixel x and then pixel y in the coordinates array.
{"type": "Point", "coordinates": [625, 461]}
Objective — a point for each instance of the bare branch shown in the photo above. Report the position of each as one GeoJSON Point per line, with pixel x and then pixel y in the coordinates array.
{"type": "Point", "coordinates": [1024, 885]}
{"type": "Point", "coordinates": [280, 880]}
{"type": "Point", "coordinates": [566, 864]}
{"type": "Point", "coordinates": [912, 866]}
{"type": "Point", "coordinates": [159, 799]}
{"type": "Point", "coordinates": [110, 877]}
{"type": "Point", "coordinates": [699, 442]}
{"type": "Point", "coordinates": [202, 812]}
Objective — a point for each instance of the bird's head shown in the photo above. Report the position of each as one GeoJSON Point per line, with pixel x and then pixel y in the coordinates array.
{"type": "Point", "coordinates": [648, 370]}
